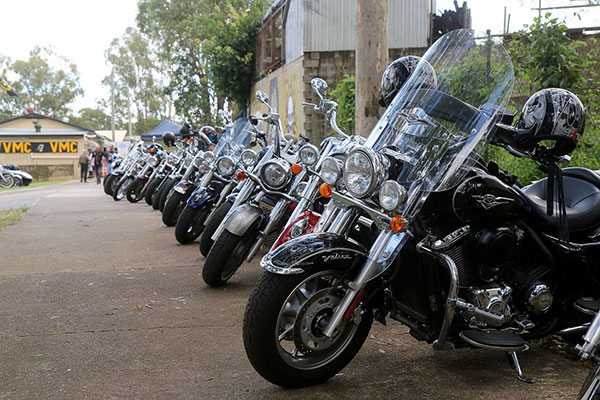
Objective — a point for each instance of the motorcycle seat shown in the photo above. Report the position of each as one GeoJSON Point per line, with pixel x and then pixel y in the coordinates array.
{"type": "Point", "coordinates": [582, 200]}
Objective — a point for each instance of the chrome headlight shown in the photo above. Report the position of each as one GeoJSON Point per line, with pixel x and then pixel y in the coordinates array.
{"type": "Point", "coordinates": [208, 157]}
{"type": "Point", "coordinates": [300, 189]}
{"type": "Point", "coordinates": [309, 155]}
{"type": "Point", "coordinates": [153, 161]}
{"type": "Point", "coordinates": [391, 195]}
{"type": "Point", "coordinates": [362, 172]}
{"type": "Point", "coordinates": [226, 166]}
{"type": "Point", "coordinates": [330, 171]}
{"type": "Point", "coordinates": [198, 160]}
{"type": "Point", "coordinates": [249, 158]}
{"type": "Point", "coordinates": [275, 174]}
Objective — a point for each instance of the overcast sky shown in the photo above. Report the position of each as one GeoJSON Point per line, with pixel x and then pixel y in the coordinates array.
{"type": "Point", "coordinates": [81, 30]}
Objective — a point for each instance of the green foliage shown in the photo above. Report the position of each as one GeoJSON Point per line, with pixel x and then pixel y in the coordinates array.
{"type": "Point", "coordinates": [139, 78]}
{"type": "Point", "coordinates": [92, 118]}
{"type": "Point", "coordinates": [345, 95]}
{"type": "Point", "coordinates": [231, 49]}
{"type": "Point", "coordinates": [544, 57]}
{"type": "Point", "coordinates": [46, 81]}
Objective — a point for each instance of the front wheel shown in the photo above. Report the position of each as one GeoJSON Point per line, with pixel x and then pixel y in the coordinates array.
{"type": "Point", "coordinates": [172, 208]}
{"type": "Point", "coordinates": [121, 188]}
{"type": "Point", "coordinates": [108, 184]}
{"type": "Point", "coordinates": [226, 256]}
{"type": "Point", "coordinates": [591, 387]}
{"type": "Point", "coordinates": [212, 225]}
{"type": "Point", "coordinates": [151, 190]}
{"type": "Point", "coordinates": [190, 223]}
{"type": "Point", "coordinates": [283, 326]}
{"type": "Point", "coordinates": [134, 190]}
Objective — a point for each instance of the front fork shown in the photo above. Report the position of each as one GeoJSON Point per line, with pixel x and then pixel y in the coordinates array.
{"type": "Point", "coordinates": [274, 218]}
{"type": "Point", "coordinates": [590, 340]}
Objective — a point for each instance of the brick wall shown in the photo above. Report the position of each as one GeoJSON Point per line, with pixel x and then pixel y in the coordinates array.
{"type": "Point", "coordinates": [331, 66]}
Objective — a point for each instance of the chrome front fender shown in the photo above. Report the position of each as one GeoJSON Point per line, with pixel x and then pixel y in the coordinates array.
{"type": "Point", "coordinates": [293, 256]}
{"type": "Point", "coordinates": [242, 218]}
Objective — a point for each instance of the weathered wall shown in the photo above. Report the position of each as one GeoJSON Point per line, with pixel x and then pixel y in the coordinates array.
{"type": "Point", "coordinates": [284, 88]}
{"type": "Point", "coordinates": [332, 66]}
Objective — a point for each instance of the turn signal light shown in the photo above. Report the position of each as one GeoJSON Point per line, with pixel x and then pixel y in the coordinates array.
{"type": "Point", "coordinates": [325, 190]}
{"type": "Point", "coordinates": [296, 169]}
{"type": "Point", "coordinates": [397, 223]}
{"type": "Point", "coordinates": [241, 176]}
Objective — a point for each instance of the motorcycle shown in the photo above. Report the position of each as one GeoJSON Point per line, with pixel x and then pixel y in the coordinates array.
{"type": "Point", "coordinates": [218, 181]}
{"type": "Point", "coordinates": [246, 226]}
{"type": "Point", "coordinates": [122, 178]}
{"type": "Point", "coordinates": [462, 256]}
{"type": "Point", "coordinates": [304, 218]}
{"type": "Point", "coordinates": [21, 178]}
{"type": "Point", "coordinates": [137, 190]}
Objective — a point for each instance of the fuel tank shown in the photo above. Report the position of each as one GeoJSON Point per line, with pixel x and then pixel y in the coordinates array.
{"type": "Point", "coordinates": [484, 197]}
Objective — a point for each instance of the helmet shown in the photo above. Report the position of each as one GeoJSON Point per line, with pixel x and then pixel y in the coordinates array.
{"type": "Point", "coordinates": [553, 114]}
{"type": "Point", "coordinates": [210, 132]}
{"type": "Point", "coordinates": [185, 130]}
{"type": "Point", "coordinates": [396, 74]}
{"type": "Point", "coordinates": [168, 138]}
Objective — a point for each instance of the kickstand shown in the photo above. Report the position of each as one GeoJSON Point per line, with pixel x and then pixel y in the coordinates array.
{"type": "Point", "coordinates": [513, 360]}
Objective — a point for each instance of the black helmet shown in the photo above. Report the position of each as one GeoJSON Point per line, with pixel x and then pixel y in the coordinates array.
{"type": "Point", "coordinates": [185, 130]}
{"type": "Point", "coordinates": [210, 133]}
{"type": "Point", "coordinates": [553, 114]}
{"type": "Point", "coordinates": [168, 138]}
{"type": "Point", "coordinates": [396, 74]}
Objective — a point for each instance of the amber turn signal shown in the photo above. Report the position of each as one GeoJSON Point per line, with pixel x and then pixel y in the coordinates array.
{"type": "Point", "coordinates": [325, 190]}
{"type": "Point", "coordinates": [296, 169]}
{"type": "Point", "coordinates": [397, 223]}
{"type": "Point", "coordinates": [241, 176]}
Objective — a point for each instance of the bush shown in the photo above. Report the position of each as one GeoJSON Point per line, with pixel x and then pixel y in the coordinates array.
{"type": "Point", "coordinates": [345, 95]}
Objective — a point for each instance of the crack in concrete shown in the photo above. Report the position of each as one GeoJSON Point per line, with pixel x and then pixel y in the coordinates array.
{"type": "Point", "coordinates": [3, 335]}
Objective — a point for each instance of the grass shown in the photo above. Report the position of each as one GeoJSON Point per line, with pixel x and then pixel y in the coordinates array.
{"type": "Point", "coordinates": [10, 216]}
{"type": "Point", "coordinates": [36, 184]}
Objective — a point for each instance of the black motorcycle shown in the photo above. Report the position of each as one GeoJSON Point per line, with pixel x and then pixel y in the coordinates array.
{"type": "Point", "coordinates": [463, 257]}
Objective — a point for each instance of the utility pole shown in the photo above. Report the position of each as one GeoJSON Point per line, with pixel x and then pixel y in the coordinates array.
{"type": "Point", "coordinates": [112, 104]}
{"type": "Point", "coordinates": [372, 58]}
{"type": "Point", "coordinates": [129, 115]}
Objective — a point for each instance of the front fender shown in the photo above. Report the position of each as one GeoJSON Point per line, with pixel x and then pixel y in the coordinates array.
{"type": "Point", "coordinates": [200, 197]}
{"type": "Point", "coordinates": [293, 256]}
{"type": "Point", "coordinates": [242, 218]}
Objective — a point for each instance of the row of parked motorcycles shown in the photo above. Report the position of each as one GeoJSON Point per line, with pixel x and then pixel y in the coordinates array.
{"type": "Point", "coordinates": [11, 175]}
{"type": "Point", "coordinates": [409, 223]}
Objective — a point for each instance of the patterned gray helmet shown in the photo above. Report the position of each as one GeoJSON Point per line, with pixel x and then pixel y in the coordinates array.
{"type": "Point", "coordinates": [554, 114]}
{"type": "Point", "coordinates": [396, 74]}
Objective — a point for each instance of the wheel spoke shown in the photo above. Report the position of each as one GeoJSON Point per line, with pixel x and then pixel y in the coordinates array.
{"type": "Point", "coordinates": [286, 332]}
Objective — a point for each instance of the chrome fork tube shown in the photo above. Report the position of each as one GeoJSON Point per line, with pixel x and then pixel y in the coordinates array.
{"type": "Point", "coordinates": [148, 182]}
{"type": "Point", "coordinates": [240, 198]}
{"type": "Point", "coordinates": [359, 283]}
{"type": "Point", "coordinates": [307, 197]}
{"type": "Point", "coordinates": [590, 340]}
{"type": "Point", "coordinates": [274, 217]}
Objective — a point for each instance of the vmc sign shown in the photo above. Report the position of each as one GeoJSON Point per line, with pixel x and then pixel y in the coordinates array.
{"type": "Point", "coordinates": [38, 147]}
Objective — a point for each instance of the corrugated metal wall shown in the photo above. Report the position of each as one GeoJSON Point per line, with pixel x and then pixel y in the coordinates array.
{"type": "Point", "coordinates": [329, 24]}
{"type": "Point", "coordinates": [293, 31]}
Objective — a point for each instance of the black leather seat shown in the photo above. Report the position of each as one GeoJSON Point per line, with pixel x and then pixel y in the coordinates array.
{"type": "Point", "coordinates": [582, 200]}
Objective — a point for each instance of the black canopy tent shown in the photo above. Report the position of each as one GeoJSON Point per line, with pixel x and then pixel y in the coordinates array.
{"type": "Point", "coordinates": [164, 126]}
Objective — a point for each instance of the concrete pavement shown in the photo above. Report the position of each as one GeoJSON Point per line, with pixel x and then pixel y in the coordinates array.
{"type": "Point", "coordinates": [98, 301]}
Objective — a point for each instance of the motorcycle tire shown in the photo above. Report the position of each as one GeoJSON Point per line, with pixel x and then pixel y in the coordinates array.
{"type": "Point", "coordinates": [173, 207]}
{"type": "Point", "coordinates": [262, 335]}
{"type": "Point", "coordinates": [7, 181]}
{"type": "Point", "coordinates": [190, 223]}
{"type": "Point", "coordinates": [165, 194]}
{"type": "Point", "coordinates": [133, 191]}
{"type": "Point", "coordinates": [151, 190]}
{"type": "Point", "coordinates": [591, 386]}
{"type": "Point", "coordinates": [211, 225]}
{"type": "Point", "coordinates": [121, 188]}
{"type": "Point", "coordinates": [108, 184]}
{"type": "Point", "coordinates": [158, 194]}
{"type": "Point", "coordinates": [226, 256]}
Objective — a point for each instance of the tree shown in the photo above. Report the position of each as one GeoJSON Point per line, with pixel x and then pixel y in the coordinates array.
{"type": "Point", "coordinates": [46, 81]}
{"type": "Point", "coordinates": [140, 78]}
{"type": "Point", "coordinates": [92, 118]}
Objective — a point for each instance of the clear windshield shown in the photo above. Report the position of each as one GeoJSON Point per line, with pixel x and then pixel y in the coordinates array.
{"type": "Point", "coordinates": [442, 118]}
{"type": "Point", "coordinates": [234, 139]}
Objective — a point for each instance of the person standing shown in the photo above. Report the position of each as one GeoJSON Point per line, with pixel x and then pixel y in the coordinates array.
{"type": "Point", "coordinates": [110, 155]}
{"type": "Point", "coordinates": [83, 164]}
{"type": "Point", "coordinates": [98, 155]}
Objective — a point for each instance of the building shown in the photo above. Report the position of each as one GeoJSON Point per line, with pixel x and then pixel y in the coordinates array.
{"type": "Point", "coordinates": [302, 39]}
{"type": "Point", "coordinates": [45, 147]}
